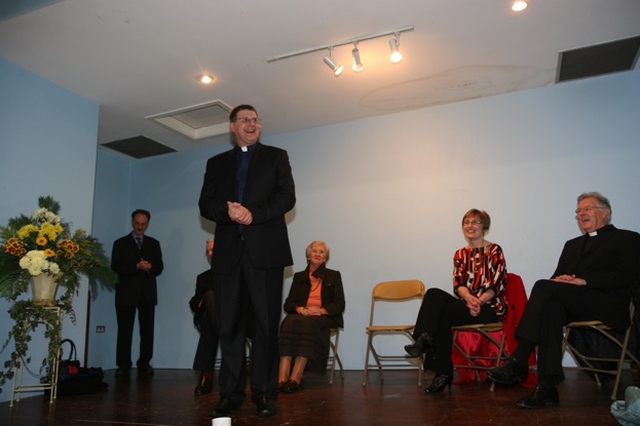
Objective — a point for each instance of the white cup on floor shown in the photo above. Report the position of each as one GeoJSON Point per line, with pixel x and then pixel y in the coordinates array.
{"type": "Point", "coordinates": [221, 421]}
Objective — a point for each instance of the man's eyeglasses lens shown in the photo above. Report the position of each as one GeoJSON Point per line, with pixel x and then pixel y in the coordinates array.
{"type": "Point", "coordinates": [587, 209]}
{"type": "Point", "coordinates": [246, 120]}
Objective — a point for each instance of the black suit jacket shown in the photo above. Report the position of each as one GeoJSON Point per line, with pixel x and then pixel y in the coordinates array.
{"type": "Point", "coordinates": [203, 284]}
{"type": "Point", "coordinates": [133, 284]}
{"type": "Point", "coordinates": [332, 292]}
{"type": "Point", "coordinates": [269, 194]}
{"type": "Point", "coordinates": [611, 262]}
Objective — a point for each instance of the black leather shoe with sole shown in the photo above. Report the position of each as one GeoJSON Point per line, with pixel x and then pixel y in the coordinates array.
{"type": "Point", "coordinates": [223, 408]}
{"type": "Point", "coordinates": [542, 395]}
{"type": "Point", "coordinates": [205, 386]}
{"type": "Point", "coordinates": [423, 345]}
{"type": "Point", "coordinates": [266, 407]}
{"type": "Point", "coordinates": [509, 373]}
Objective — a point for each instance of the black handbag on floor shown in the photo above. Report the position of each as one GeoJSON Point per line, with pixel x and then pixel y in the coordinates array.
{"type": "Point", "coordinates": [74, 379]}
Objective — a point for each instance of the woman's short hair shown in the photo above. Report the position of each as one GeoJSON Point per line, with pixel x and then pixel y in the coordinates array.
{"type": "Point", "coordinates": [482, 216]}
{"type": "Point", "coordinates": [316, 243]}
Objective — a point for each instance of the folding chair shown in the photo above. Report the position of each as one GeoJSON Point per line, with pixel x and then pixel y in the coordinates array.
{"type": "Point", "coordinates": [392, 291]}
{"type": "Point", "coordinates": [588, 362]}
{"type": "Point", "coordinates": [335, 358]}
{"type": "Point", "coordinates": [483, 361]}
{"type": "Point", "coordinates": [484, 346]}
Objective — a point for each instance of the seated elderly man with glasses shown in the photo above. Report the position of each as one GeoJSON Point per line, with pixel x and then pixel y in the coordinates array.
{"type": "Point", "coordinates": [593, 280]}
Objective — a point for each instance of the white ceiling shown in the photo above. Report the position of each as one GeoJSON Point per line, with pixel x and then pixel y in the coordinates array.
{"type": "Point", "coordinates": [137, 58]}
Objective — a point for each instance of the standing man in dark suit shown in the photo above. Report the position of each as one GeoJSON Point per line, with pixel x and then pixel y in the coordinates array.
{"type": "Point", "coordinates": [593, 280]}
{"type": "Point", "coordinates": [204, 317]}
{"type": "Point", "coordinates": [246, 192]}
{"type": "Point", "coordinates": [137, 259]}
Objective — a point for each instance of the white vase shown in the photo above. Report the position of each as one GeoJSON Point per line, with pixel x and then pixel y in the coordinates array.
{"type": "Point", "coordinates": [44, 288]}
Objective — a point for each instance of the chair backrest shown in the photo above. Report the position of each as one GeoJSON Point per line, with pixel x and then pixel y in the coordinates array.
{"type": "Point", "coordinates": [396, 291]}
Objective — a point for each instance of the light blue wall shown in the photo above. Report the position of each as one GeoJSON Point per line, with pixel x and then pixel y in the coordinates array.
{"type": "Point", "coordinates": [388, 193]}
{"type": "Point", "coordinates": [47, 147]}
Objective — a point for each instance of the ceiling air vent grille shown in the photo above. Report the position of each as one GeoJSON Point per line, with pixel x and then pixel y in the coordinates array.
{"type": "Point", "coordinates": [605, 58]}
{"type": "Point", "coordinates": [198, 121]}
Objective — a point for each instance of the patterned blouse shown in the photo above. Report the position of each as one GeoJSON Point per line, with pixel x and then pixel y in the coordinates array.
{"type": "Point", "coordinates": [482, 269]}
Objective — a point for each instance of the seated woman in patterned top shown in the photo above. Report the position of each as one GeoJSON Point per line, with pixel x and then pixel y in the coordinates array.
{"type": "Point", "coordinates": [479, 280]}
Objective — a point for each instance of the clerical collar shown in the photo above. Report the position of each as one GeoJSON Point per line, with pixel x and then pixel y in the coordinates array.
{"type": "Point", "coordinates": [593, 234]}
{"type": "Point", "coordinates": [244, 148]}
{"type": "Point", "coordinates": [249, 148]}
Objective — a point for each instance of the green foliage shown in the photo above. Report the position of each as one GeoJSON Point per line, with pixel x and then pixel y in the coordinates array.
{"type": "Point", "coordinates": [44, 244]}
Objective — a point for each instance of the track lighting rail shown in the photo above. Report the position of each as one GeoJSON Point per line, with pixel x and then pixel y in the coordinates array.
{"type": "Point", "coordinates": [330, 46]}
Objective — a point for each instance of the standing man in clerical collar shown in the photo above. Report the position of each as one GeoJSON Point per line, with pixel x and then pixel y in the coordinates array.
{"type": "Point", "coordinates": [247, 191]}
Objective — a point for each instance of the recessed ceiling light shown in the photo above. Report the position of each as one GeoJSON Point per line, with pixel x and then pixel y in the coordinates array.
{"type": "Point", "coordinates": [519, 6]}
{"type": "Point", "coordinates": [205, 78]}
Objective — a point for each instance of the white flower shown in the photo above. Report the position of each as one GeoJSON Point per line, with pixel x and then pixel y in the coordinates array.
{"type": "Point", "coordinates": [44, 215]}
{"type": "Point", "coordinates": [36, 263]}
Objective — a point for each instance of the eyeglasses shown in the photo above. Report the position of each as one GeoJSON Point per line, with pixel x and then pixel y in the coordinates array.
{"type": "Point", "coordinates": [471, 222]}
{"type": "Point", "coordinates": [247, 120]}
{"type": "Point", "coordinates": [588, 209]}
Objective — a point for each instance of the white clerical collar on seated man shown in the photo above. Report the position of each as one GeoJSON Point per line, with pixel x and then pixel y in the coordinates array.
{"type": "Point", "coordinates": [244, 148]}
{"type": "Point", "coordinates": [593, 234]}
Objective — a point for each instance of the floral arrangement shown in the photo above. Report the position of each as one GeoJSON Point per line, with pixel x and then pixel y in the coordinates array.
{"type": "Point", "coordinates": [44, 244]}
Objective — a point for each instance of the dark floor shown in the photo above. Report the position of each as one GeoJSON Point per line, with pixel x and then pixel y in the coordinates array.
{"type": "Point", "coordinates": [167, 399]}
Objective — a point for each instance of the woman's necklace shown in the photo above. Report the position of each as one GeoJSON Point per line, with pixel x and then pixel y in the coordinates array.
{"type": "Point", "coordinates": [315, 283]}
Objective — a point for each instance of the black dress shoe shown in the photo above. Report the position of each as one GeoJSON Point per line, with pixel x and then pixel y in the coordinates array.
{"type": "Point", "coordinates": [120, 372]}
{"type": "Point", "coordinates": [424, 345]}
{"type": "Point", "coordinates": [266, 407]}
{"type": "Point", "coordinates": [280, 387]}
{"type": "Point", "coordinates": [541, 395]}
{"type": "Point", "coordinates": [292, 387]}
{"type": "Point", "coordinates": [509, 373]}
{"type": "Point", "coordinates": [205, 386]}
{"type": "Point", "coordinates": [223, 408]}
{"type": "Point", "coordinates": [145, 371]}
{"type": "Point", "coordinates": [440, 381]}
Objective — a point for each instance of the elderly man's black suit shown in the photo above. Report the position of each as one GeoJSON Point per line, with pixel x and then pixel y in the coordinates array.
{"type": "Point", "coordinates": [248, 263]}
{"type": "Point", "coordinates": [609, 264]}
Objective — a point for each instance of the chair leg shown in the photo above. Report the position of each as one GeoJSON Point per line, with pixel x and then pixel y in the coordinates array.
{"type": "Point", "coordinates": [335, 358]}
{"type": "Point", "coordinates": [366, 361]}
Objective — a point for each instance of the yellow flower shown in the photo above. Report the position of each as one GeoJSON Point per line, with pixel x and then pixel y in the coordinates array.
{"type": "Point", "coordinates": [26, 230]}
{"type": "Point", "coordinates": [41, 241]}
{"type": "Point", "coordinates": [49, 230]}
{"type": "Point", "coordinates": [49, 253]}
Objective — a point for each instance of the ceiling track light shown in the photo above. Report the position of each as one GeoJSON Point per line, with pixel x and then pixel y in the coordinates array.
{"type": "Point", "coordinates": [357, 64]}
{"type": "Point", "coordinates": [337, 69]}
{"type": "Point", "coordinates": [355, 52]}
{"type": "Point", "coordinates": [396, 56]}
